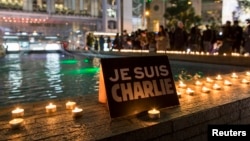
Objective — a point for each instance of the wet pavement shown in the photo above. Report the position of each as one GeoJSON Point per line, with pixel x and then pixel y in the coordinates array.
{"type": "Point", "coordinates": [43, 76]}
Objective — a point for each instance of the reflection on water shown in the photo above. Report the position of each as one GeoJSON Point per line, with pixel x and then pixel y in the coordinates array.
{"type": "Point", "coordinates": [36, 77]}
{"type": "Point", "coordinates": [52, 71]}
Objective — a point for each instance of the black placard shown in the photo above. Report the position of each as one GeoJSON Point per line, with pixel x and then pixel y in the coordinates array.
{"type": "Point", "coordinates": [137, 84]}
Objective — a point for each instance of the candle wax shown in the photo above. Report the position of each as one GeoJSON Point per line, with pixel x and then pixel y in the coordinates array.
{"type": "Point", "coordinates": [18, 112]}
{"type": "Point", "coordinates": [153, 114]}
{"type": "Point", "coordinates": [77, 112]}
{"type": "Point", "coordinates": [70, 105]}
{"type": "Point", "coordinates": [16, 122]}
{"type": "Point", "coordinates": [50, 108]}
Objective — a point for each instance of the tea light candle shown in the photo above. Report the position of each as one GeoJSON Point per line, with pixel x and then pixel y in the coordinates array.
{"type": "Point", "coordinates": [154, 114]}
{"type": "Point", "coordinates": [190, 91]}
{"type": "Point", "coordinates": [218, 77]}
{"type": "Point", "coordinates": [179, 94]}
{"type": "Point", "coordinates": [228, 83]}
{"type": "Point", "coordinates": [216, 87]}
{"type": "Point", "coordinates": [70, 105]}
{"type": "Point", "coordinates": [18, 112]}
{"type": "Point", "coordinates": [245, 81]}
{"type": "Point", "coordinates": [205, 89]}
{"type": "Point", "coordinates": [182, 85]}
{"type": "Point", "coordinates": [234, 75]}
{"type": "Point", "coordinates": [209, 80]}
{"type": "Point", "coordinates": [198, 83]}
{"type": "Point", "coordinates": [77, 112]}
{"type": "Point", "coordinates": [16, 123]}
{"type": "Point", "coordinates": [50, 108]}
{"type": "Point", "coordinates": [248, 73]}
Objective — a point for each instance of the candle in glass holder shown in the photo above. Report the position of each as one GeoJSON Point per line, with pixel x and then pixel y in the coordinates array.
{"type": "Point", "coordinates": [50, 108]}
{"type": "Point", "coordinates": [234, 75]}
{"type": "Point", "coordinates": [245, 81]}
{"type": "Point", "coordinates": [182, 85]}
{"type": "Point", "coordinates": [216, 87]}
{"type": "Point", "coordinates": [228, 83]}
{"type": "Point", "coordinates": [154, 114]}
{"type": "Point", "coordinates": [16, 123]}
{"type": "Point", "coordinates": [70, 105]}
{"type": "Point", "coordinates": [205, 89]}
{"type": "Point", "coordinates": [18, 112]}
{"type": "Point", "coordinates": [198, 83]}
{"type": "Point", "coordinates": [209, 80]}
{"type": "Point", "coordinates": [218, 77]}
{"type": "Point", "coordinates": [189, 91]}
{"type": "Point", "coordinates": [77, 112]}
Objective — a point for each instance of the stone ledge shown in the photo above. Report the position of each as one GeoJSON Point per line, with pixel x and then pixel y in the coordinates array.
{"type": "Point", "coordinates": [187, 121]}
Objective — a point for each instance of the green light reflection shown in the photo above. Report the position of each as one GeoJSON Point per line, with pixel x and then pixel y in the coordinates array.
{"type": "Point", "coordinates": [70, 61]}
{"type": "Point", "coordinates": [86, 60]}
{"type": "Point", "coordinates": [83, 71]}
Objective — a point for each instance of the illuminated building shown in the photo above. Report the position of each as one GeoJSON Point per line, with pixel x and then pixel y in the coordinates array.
{"type": "Point", "coordinates": [67, 19]}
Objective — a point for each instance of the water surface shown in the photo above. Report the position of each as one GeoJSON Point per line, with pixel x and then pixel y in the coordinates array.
{"type": "Point", "coordinates": [35, 77]}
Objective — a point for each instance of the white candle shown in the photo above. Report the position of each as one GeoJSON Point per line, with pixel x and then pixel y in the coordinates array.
{"type": "Point", "coordinates": [209, 80]}
{"type": "Point", "coordinates": [179, 94]}
{"type": "Point", "coordinates": [198, 83]}
{"type": "Point", "coordinates": [50, 108]}
{"type": "Point", "coordinates": [16, 122]}
{"type": "Point", "coordinates": [248, 73]}
{"type": "Point", "coordinates": [77, 112]}
{"type": "Point", "coordinates": [182, 85]}
{"type": "Point", "coordinates": [18, 112]}
{"type": "Point", "coordinates": [70, 105]}
{"type": "Point", "coordinates": [189, 91]}
{"type": "Point", "coordinates": [234, 75]}
{"type": "Point", "coordinates": [205, 89]}
{"type": "Point", "coordinates": [228, 83]}
{"type": "Point", "coordinates": [245, 81]}
{"type": "Point", "coordinates": [218, 77]}
{"type": "Point", "coordinates": [154, 114]}
{"type": "Point", "coordinates": [216, 87]}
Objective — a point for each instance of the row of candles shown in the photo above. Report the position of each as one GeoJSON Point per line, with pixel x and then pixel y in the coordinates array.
{"type": "Point", "coordinates": [183, 52]}
{"type": "Point", "coordinates": [18, 113]}
{"type": "Point", "coordinates": [215, 86]}
{"type": "Point", "coordinates": [153, 114]}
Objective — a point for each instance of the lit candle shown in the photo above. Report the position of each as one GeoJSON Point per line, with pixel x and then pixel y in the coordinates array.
{"type": "Point", "coordinates": [70, 105]}
{"type": "Point", "coordinates": [248, 73]}
{"type": "Point", "coordinates": [179, 94]}
{"type": "Point", "coordinates": [245, 81]}
{"type": "Point", "coordinates": [234, 75]}
{"type": "Point", "coordinates": [218, 77]}
{"type": "Point", "coordinates": [16, 123]}
{"type": "Point", "coordinates": [18, 112]}
{"type": "Point", "coordinates": [77, 112]}
{"type": "Point", "coordinates": [209, 80]}
{"type": "Point", "coordinates": [205, 89]}
{"type": "Point", "coordinates": [182, 85]}
{"type": "Point", "coordinates": [198, 83]}
{"type": "Point", "coordinates": [189, 91]}
{"type": "Point", "coordinates": [216, 87]}
{"type": "Point", "coordinates": [154, 114]}
{"type": "Point", "coordinates": [50, 108]}
{"type": "Point", "coordinates": [228, 83]}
